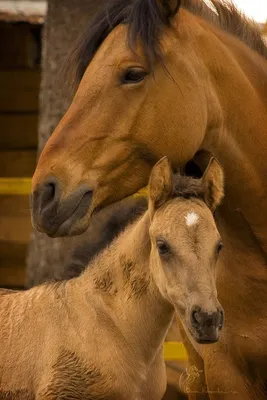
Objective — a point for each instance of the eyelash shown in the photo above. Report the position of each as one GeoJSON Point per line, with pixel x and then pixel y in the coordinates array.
{"type": "Point", "coordinates": [133, 76]}
{"type": "Point", "coordinates": [219, 247]}
{"type": "Point", "coordinates": [163, 247]}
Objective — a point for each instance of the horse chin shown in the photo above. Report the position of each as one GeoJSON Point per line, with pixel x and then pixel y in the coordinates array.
{"type": "Point", "coordinates": [65, 230]}
{"type": "Point", "coordinates": [68, 228]}
{"type": "Point", "coordinates": [73, 226]}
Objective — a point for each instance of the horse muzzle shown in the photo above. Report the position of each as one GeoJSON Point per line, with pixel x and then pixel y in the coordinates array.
{"type": "Point", "coordinates": [58, 216]}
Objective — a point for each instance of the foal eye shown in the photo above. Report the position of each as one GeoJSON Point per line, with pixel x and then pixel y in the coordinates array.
{"type": "Point", "coordinates": [133, 75]}
{"type": "Point", "coordinates": [163, 247]}
{"type": "Point", "coordinates": [219, 247]}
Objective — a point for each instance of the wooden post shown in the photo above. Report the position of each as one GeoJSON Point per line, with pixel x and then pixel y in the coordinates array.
{"type": "Point", "coordinates": [66, 20]}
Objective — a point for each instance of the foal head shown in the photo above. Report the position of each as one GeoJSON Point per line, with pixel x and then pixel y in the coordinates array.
{"type": "Point", "coordinates": [186, 245]}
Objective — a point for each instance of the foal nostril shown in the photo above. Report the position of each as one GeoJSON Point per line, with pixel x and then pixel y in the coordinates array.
{"type": "Point", "coordinates": [221, 319]}
{"type": "Point", "coordinates": [203, 319]}
{"type": "Point", "coordinates": [196, 316]}
{"type": "Point", "coordinates": [206, 325]}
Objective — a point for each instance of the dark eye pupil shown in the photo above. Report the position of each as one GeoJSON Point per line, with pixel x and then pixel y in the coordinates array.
{"type": "Point", "coordinates": [163, 248]}
{"type": "Point", "coordinates": [219, 247]}
{"type": "Point", "coordinates": [133, 75]}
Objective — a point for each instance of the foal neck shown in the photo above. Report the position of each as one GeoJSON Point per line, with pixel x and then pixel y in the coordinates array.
{"type": "Point", "coordinates": [120, 283]}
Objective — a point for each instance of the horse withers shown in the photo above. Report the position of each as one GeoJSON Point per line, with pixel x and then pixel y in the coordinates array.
{"type": "Point", "coordinates": [101, 335]}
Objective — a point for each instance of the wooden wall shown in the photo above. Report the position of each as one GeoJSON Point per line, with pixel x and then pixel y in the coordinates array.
{"type": "Point", "coordinates": [19, 91]}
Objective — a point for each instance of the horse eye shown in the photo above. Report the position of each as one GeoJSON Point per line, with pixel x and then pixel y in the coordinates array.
{"type": "Point", "coordinates": [219, 247]}
{"type": "Point", "coordinates": [133, 75]}
{"type": "Point", "coordinates": [163, 247]}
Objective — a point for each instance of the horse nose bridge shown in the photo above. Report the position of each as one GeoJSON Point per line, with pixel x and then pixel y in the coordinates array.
{"type": "Point", "coordinates": [66, 133]}
{"type": "Point", "coordinates": [47, 169]}
{"type": "Point", "coordinates": [55, 161]}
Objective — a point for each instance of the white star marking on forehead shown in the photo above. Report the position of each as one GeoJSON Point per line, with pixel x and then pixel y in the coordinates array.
{"type": "Point", "coordinates": [191, 219]}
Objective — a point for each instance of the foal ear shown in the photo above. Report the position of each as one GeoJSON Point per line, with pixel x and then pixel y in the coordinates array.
{"type": "Point", "coordinates": [160, 185]}
{"type": "Point", "coordinates": [170, 7]}
{"type": "Point", "coordinates": [213, 183]}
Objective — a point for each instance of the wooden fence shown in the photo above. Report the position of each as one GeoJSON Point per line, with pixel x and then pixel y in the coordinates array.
{"type": "Point", "coordinates": [19, 82]}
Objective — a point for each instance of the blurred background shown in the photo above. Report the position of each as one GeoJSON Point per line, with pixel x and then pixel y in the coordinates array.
{"type": "Point", "coordinates": [21, 24]}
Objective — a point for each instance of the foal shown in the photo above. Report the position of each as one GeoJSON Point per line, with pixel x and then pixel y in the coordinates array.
{"type": "Point", "coordinates": [100, 335]}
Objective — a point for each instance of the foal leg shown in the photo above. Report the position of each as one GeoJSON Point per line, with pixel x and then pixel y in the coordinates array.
{"type": "Point", "coordinates": [193, 381]}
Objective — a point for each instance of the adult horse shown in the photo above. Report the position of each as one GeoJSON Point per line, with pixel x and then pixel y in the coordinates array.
{"type": "Point", "coordinates": [157, 78]}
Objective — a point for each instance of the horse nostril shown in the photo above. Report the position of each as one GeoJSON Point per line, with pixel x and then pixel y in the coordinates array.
{"type": "Point", "coordinates": [55, 214]}
{"type": "Point", "coordinates": [48, 194]}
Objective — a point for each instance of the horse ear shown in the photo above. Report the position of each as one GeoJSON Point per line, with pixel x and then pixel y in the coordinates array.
{"type": "Point", "coordinates": [213, 183]}
{"type": "Point", "coordinates": [170, 7]}
{"type": "Point", "coordinates": [160, 185]}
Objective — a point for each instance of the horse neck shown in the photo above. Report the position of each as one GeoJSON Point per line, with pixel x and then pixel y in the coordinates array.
{"type": "Point", "coordinates": [240, 144]}
{"type": "Point", "coordinates": [119, 280]}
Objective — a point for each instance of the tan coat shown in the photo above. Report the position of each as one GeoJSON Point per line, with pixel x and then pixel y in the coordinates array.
{"type": "Point", "coordinates": [100, 336]}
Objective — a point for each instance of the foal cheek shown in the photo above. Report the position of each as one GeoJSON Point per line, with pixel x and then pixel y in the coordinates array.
{"type": "Point", "coordinates": [175, 288]}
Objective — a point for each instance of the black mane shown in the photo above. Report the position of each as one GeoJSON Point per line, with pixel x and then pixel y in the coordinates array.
{"type": "Point", "coordinates": [146, 20]}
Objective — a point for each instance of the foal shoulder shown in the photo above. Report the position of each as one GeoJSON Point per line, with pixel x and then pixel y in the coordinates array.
{"type": "Point", "coordinates": [72, 378]}
{"type": "Point", "coordinates": [16, 395]}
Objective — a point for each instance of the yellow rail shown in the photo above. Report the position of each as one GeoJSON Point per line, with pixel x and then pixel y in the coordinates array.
{"type": "Point", "coordinates": [15, 186]}
{"type": "Point", "coordinates": [22, 186]}
{"type": "Point", "coordinates": [174, 351]}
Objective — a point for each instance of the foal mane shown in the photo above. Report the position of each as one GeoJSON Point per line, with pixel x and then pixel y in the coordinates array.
{"type": "Point", "coordinates": [188, 187]}
{"type": "Point", "coordinates": [146, 20]}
